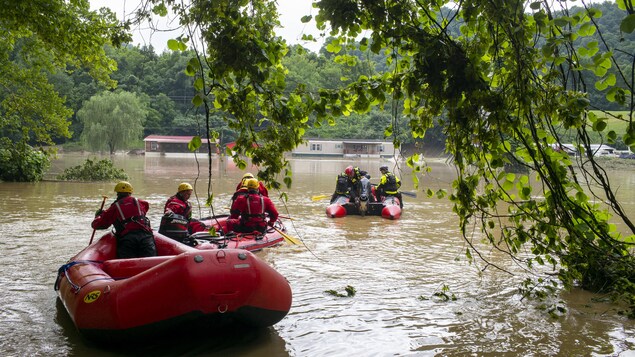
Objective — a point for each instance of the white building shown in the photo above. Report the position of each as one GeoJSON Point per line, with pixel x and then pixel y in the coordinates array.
{"type": "Point", "coordinates": [603, 150]}
{"type": "Point", "coordinates": [345, 148]}
{"type": "Point", "coordinates": [599, 150]}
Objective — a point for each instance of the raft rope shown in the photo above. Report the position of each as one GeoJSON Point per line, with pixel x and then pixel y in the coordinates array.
{"type": "Point", "coordinates": [286, 208]}
{"type": "Point", "coordinates": [64, 270]}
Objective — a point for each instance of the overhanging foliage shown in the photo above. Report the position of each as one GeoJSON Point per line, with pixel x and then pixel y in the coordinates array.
{"type": "Point", "coordinates": [503, 90]}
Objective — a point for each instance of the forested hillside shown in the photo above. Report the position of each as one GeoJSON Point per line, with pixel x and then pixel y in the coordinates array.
{"type": "Point", "coordinates": [163, 88]}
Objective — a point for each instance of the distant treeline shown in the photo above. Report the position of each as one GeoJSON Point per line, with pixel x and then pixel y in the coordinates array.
{"type": "Point", "coordinates": [159, 80]}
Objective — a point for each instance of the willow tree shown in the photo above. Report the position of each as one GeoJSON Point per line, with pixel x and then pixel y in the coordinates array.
{"type": "Point", "coordinates": [504, 90]}
{"type": "Point", "coordinates": [112, 121]}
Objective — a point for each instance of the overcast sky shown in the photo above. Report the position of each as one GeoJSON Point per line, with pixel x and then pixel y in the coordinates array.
{"type": "Point", "coordinates": [290, 13]}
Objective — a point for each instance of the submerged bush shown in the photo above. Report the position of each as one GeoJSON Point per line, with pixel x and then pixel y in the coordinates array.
{"type": "Point", "coordinates": [21, 162]}
{"type": "Point", "coordinates": [102, 170]}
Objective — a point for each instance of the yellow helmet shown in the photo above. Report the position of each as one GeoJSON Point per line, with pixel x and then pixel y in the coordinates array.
{"type": "Point", "coordinates": [184, 187]}
{"type": "Point", "coordinates": [123, 186]}
{"type": "Point", "coordinates": [248, 175]}
{"type": "Point", "coordinates": [252, 184]}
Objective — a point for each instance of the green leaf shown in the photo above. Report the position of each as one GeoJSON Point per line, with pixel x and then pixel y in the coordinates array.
{"type": "Point", "coordinates": [195, 143]}
{"type": "Point", "coordinates": [628, 24]}
{"type": "Point", "coordinates": [198, 84]}
{"type": "Point", "coordinates": [306, 18]}
{"type": "Point", "coordinates": [197, 100]}
{"type": "Point", "coordinates": [599, 125]}
{"type": "Point", "coordinates": [587, 29]}
{"type": "Point", "coordinates": [173, 44]}
{"type": "Point", "coordinates": [160, 10]}
{"type": "Point", "coordinates": [525, 193]}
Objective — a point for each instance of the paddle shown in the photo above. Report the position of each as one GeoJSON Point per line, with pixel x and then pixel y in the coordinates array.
{"type": "Point", "coordinates": [287, 237]}
{"type": "Point", "coordinates": [100, 208]}
{"type": "Point", "coordinates": [320, 197]}
{"type": "Point", "coordinates": [411, 194]}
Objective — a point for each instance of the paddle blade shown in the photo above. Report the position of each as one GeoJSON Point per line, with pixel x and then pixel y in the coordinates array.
{"type": "Point", "coordinates": [287, 237]}
{"type": "Point", "coordinates": [411, 194]}
{"type": "Point", "coordinates": [320, 197]}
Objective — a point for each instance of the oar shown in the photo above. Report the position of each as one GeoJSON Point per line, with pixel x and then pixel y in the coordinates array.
{"type": "Point", "coordinates": [320, 197]}
{"type": "Point", "coordinates": [287, 237]}
{"type": "Point", "coordinates": [285, 217]}
{"type": "Point", "coordinates": [411, 194]}
{"type": "Point", "coordinates": [100, 208]}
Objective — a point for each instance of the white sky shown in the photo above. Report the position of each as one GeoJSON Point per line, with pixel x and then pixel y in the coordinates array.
{"type": "Point", "coordinates": [290, 13]}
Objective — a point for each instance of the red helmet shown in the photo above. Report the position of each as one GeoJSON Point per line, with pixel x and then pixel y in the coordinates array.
{"type": "Point", "coordinates": [349, 171]}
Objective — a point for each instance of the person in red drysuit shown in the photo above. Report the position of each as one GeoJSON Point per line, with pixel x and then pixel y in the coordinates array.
{"type": "Point", "coordinates": [251, 212]}
{"type": "Point", "coordinates": [177, 222]}
{"type": "Point", "coordinates": [132, 228]}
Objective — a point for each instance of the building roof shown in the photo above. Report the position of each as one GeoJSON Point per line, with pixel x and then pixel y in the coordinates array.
{"type": "Point", "coordinates": [233, 143]}
{"type": "Point", "coordinates": [365, 142]}
{"type": "Point", "coordinates": [349, 141]}
{"type": "Point", "coordinates": [171, 139]}
{"type": "Point", "coordinates": [600, 147]}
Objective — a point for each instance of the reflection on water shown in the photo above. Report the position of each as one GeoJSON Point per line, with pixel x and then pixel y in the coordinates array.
{"type": "Point", "coordinates": [396, 268]}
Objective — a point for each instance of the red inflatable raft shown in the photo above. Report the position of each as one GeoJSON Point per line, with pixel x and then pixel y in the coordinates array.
{"type": "Point", "coordinates": [337, 208]}
{"type": "Point", "coordinates": [123, 300]}
{"type": "Point", "coordinates": [390, 208]}
{"type": "Point", "coordinates": [253, 241]}
{"type": "Point", "coordinates": [366, 203]}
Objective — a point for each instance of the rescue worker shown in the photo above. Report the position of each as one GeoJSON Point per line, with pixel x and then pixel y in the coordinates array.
{"type": "Point", "coordinates": [354, 178]}
{"type": "Point", "coordinates": [389, 185]}
{"type": "Point", "coordinates": [177, 222]}
{"type": "Point", "coordinates": [241, 185]}
{"type": "Point", "coordinates": [249, 212]}
{"type": "Point", "coordinates": [132, 228]}
{"type": "Point", "coordinates": [342, 187]}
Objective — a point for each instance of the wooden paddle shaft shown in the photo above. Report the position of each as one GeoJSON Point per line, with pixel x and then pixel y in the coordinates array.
{"type": "Point", "coordinates": [103, 201]}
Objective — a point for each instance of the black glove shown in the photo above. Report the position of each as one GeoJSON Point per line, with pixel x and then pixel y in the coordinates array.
{"type": "Point", "coordinates": [99, 212]}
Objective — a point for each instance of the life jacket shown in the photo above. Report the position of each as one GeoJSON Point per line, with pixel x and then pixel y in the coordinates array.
{"type": "Point", "coordinates": [252, 211]}
{"type": "Point", "coordinates": [255, 207]}
{"type": "Point", "coordinates": [342, 185]}
{"type": "Point", "coordinates": [130, 218]}
{"type": "Point", "coordinates": [240, 192]}
{"type": "Point", "coordinates": [390, 187]}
